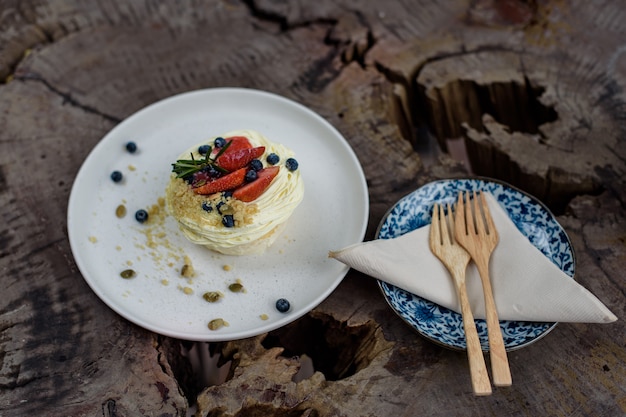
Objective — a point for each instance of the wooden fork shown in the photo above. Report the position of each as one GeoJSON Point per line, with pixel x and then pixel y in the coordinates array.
{"type": "Point", "coordinates": [479, 239]}
{"type": "Point", "coordinates": [455, 258]}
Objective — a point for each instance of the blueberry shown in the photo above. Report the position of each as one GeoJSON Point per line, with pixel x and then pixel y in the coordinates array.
{"type": "Point", "coordinates": [291, 164]}
{"type": "Point", "coordinates": [272, 159]}
{"type": "Point", "coordinates": [204, 149]}
{"type": "Point", "coordinates": [256, 165]}
{"type": "Point", "coordinates": [219, 206]}
{"type": "Point", "coordinates": [211, 171]}
{"type": "Point", "coordinates": [227, 194]}
{"type": "Point", "coordinates": [228, 220]}
{"type": "Point", "coordinates": [251, 175]}
{"type": "Point", "coordinates": [206, 206]}
{"type": "Point", "coordinates": [282, 305]}
{"type": "Point", "coordinates": [141, 215]}
{"type": "Point", "coordinates": [116, 176]}
{"type": "Point", "coordinates": [219, 142]}
{"type": "Point", "coordinates": [131, 147]}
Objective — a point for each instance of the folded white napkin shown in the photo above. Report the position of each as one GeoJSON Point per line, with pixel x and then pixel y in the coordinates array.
{"type": "Point", "coordinates": [527, 286]}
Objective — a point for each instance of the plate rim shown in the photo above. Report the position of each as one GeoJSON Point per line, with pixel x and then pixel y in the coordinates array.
{"type": "Point", "coordinates": [484, 179]}
{"type": "Point", "coordinates": [72, 212]}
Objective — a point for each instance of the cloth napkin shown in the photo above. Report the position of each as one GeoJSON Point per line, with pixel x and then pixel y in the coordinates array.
{"type": "Point", "coordinates": [527, 286]}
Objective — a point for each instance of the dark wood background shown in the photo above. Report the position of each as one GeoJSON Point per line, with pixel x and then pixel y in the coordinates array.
{"type": "Point", "coordinates": [530, 92]}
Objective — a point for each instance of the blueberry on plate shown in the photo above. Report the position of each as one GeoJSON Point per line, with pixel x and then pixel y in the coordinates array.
{"type": "Point", "coordinates": [282, 305]}
{"type": "Point", "coordinates": [141, 215]}
{"type": "Point", "coordinates": [131, 147]}
{"type": "Point", "coordinates": [116, 176]}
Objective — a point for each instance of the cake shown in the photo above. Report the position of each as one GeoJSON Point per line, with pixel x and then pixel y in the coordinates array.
{"type": "Point", "coordinates": [234, 193]}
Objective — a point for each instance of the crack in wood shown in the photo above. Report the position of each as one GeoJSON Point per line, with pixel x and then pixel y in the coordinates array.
{"type": "Point", "coordinates": [410, 105]}
{"type": "Point", "coordinates": [336, 349]}
{"type": "Point", "coordinates": [350, 50]}
{"type": "Point", "coordinates": [513, 105]}
{"type": "Point", "coordinates": [109, 408]}
{"type": "Point", "coordinates": [267, 15]}
{"type": "Point", "coordinates": [438, 98]}
{"type": "Point", "coordinates": [320, 73]}
{"type": "Point", "coordinates": [67, 97]}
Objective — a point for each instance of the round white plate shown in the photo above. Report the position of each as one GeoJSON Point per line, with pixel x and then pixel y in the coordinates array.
{"type": "Point", "coordinates": [333, 214]}
{"type": "Point", "coordinates": [533, 219]}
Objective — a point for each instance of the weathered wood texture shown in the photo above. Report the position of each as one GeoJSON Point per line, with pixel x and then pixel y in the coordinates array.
{"type": "Point", "coordinates": [534, 88]}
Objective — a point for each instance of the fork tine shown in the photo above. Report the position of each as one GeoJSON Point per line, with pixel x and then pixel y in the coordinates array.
{"type": "Point", "coordinates": [434, 227]}
{"type": "Point", "coordinates": [460, 213]}
{"type": "Point", "coordinates": [479, 226]}
{"type": "Point", "coordinates": [491, 228]}
{"type": "Point", "coordinates": [443, 222]}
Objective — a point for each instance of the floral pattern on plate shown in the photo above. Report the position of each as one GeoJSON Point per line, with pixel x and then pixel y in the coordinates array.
{"type": "Point", "coordinates": [533, 219]}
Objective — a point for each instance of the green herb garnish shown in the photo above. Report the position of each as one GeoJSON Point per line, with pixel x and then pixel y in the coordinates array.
{"type": "Point", "coordinates": [185, 167]}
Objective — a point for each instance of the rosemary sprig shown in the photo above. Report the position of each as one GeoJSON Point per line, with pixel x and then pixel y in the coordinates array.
{"type": "Point", "coordinates": [185, 167]}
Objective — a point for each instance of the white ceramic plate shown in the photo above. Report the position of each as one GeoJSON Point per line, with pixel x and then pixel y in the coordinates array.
{"type": "Point", "coordinates": [333, 214]}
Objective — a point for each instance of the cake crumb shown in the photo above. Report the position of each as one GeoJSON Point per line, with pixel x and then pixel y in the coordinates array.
{"type": "Point", "coordinates": [212, 296]}
{"type": "Point", "coordinates": [189, 205]}
{"type": "Point", "coordinates": [264, 316]}
{"type": "Point", "coordinates": [227, 267]}
{"type": "Point", "coordinates": [165, 282]}
{"type": "Point", "coordinates": [120, 211]}
{"type": "Point", "coordinates": [237, 286]}
{"type": "Point", "coordinates": [156, 237]}
{"type": "Point", "coordinates": [132, 168]}
{"type": "Point", "coordinates": [217, 323]}
{"type": "Point", "coordinates": [93, 239]}
{"type": "Point", "coordinates": [187, 270]}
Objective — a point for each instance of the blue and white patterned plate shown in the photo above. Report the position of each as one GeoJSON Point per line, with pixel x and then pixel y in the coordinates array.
{"type": "Point", "coordinates": [532, 218]}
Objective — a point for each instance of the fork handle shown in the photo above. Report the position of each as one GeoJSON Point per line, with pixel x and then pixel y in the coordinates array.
{"type": "Point", "coordinates": [476, 359]}
{"type": "Point", "coordinates": [497, 352]}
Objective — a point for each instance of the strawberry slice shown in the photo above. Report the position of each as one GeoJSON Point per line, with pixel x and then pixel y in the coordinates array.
{"type": "Point", "coordinates": [237, 143]}
{"type": "Point", "coordinates": [227, 182]}
{"type": "Point", "coordinates": [252, 190]}
{"type": "Point", "coordinates": [232, 160]}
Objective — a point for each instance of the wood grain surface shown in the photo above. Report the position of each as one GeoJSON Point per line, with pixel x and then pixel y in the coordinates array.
{"type": "Point", "coordinates": [529, 92]}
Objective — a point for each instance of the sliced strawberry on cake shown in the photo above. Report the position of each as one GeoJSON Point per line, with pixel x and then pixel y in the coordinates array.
{"type": "Point", "coordinates": [224, 183]}
{"type": "Point", "coordinates": [252, 190]}
{"type": "Point", "coordinates": [232, 160]}
{"type": "Point", "coordinates": [231, 144]}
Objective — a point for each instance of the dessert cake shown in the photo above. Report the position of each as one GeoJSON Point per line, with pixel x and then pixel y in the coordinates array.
{"type": "Point", "coordinates": [235, 192]}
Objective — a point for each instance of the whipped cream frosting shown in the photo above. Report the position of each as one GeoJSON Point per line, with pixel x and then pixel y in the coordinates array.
{"type": "Point", "coordinates": [257, 223]}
